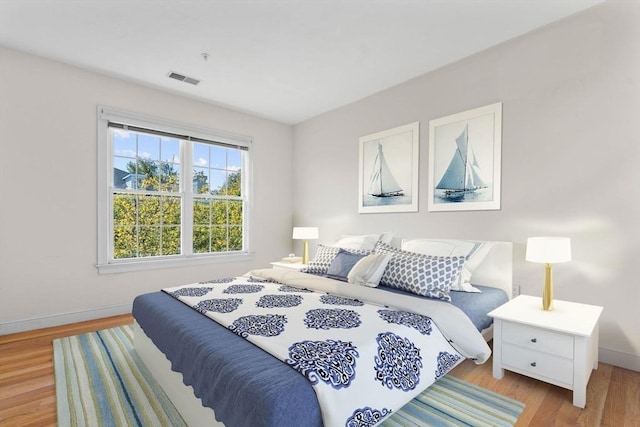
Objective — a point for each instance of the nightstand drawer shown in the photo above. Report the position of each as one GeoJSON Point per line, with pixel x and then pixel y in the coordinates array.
{"type": "Point", "coordinates": [538, 339]}
{"type": "Point", "coordinates": [535, 363]}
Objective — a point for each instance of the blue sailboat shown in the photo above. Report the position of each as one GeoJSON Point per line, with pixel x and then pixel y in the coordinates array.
{"type": "Point", "coordinates": [382, 183]}
{"type": "Point", "coordinates": [463, 174]}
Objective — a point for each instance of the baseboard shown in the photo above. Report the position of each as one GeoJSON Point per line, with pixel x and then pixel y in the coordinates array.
{"type": "Point", "coordinates": [619, 358]}
{"type": "Point", "coordinates": [62, 319]}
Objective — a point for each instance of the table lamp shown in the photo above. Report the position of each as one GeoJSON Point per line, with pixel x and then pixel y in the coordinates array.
{"type": "Point", "coordinates": [306, 234]}
{"type": "Point", "coordinates": [548, 250]}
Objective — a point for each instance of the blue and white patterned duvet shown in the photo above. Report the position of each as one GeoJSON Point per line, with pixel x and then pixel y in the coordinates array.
{"type": "Point", "coordinates": [363, 360]}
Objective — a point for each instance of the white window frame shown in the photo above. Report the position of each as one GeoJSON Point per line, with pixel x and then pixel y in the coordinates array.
{"type": "Point", "coordinates": [106, 263]}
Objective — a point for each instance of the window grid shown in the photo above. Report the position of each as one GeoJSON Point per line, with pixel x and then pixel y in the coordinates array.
{"type": "Point", "coordinates": [147, 189]}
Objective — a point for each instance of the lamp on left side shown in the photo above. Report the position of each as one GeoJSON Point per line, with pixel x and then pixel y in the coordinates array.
{"type": "Point", "coordinates": [306, 234]}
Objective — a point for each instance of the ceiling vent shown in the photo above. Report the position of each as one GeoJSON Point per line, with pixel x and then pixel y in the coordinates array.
{"type": "Point", "coordinates": [182, 78]}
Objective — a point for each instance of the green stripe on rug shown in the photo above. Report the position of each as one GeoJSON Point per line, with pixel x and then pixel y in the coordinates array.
{"type": "Point", "coordinates": [101, 381]}
{"type": "Point", "coordinates": [454, 402]}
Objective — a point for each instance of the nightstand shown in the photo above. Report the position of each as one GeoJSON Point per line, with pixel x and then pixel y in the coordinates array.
{"type": "Point", "coordinates": [559, 346]}
{"type": "Point", "coordinates": [288, 265]}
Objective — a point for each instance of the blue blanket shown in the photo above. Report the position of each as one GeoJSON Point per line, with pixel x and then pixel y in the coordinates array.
{"type": "Point", "coordinates": [477, 305]}
{"type": "Point", "coordinates": [263, 392]}
{"type": "Point", "coordinates": [474, 305]}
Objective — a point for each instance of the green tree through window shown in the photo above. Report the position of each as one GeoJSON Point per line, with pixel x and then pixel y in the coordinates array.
{"type": "Point", "coordinates": [217, 203]}
{"type": "Point", "coordinates": [148, 196]}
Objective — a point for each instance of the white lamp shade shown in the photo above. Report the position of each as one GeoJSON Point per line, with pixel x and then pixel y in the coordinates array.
{"type": "Point", "coordinates": [548, 249]}
{"type": "Point", "coordinates": [305, 233]}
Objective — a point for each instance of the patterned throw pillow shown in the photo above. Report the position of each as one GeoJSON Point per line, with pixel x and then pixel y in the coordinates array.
{"type": "Point", "coordinates": [324, 256]}
{"type": "Point", "coordinates": [474, 251]}
{"type": "Point", "coordinates": [430, 276]}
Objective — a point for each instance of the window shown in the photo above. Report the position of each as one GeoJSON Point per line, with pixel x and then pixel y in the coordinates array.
{"type": "Point", "coordinates": [169, 193]}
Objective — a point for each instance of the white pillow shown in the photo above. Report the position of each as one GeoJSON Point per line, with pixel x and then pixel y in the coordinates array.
{"type": "Point", "coordinates": [474, 259]}
{"type": "Point", "coordinates": [387, 237]}
{"type": "Point", "coordinates": [474, 251]}
{"type": "Point", "coordinates": [429, 247]}
{"type": "Point", "coordinates": [363, 241]}
{"type": "Point", "coordinates": [369, 270]}
{"type": "Point", "coordinates": [436, 247]}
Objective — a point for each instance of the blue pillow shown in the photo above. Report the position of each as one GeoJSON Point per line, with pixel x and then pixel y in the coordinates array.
{"type": "Point", "coordinates": [342, 264]}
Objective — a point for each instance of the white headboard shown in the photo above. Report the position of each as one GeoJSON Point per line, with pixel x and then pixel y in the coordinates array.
{"type": "Point", "coordinates": [496, 269]}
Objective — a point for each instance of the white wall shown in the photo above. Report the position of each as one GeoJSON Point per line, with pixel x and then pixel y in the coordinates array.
{"type": "Point", "coordinates": [570, 160]}
{"type": "Point", "coordinates": [48, 197]}
{"type": "Point", "coordinates": [571, 150]}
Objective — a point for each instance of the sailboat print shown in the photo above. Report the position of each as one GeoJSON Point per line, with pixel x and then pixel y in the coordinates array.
{"type": "Point", "coordinates": [382, 183]}
{"type": "Point", "coordinates": [463, 173]}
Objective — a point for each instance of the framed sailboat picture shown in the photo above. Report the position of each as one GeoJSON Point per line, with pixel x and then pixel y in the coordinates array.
{"type": "Point", "coordinates": [388, 180]}
{"type": "Point", "coordinates": [464, 160]}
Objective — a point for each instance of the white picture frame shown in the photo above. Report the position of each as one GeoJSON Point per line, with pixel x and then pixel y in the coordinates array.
{"type": "Point", "coordinates": [393, 155]}
{"type": "Point", "coordinates": [465, 151]}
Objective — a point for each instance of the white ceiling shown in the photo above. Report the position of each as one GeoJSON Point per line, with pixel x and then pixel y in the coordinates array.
{"type": "Point", "coordinates": [286, 60]}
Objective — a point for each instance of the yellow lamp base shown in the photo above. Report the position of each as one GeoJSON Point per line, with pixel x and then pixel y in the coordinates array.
{"type": "Point", "coordinates": [305, 253]}
{"type": "Point", "coordinates": [547, 291]}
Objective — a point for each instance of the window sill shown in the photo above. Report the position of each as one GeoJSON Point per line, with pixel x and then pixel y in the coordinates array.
{"type": "Point", "coordinates": [161, 263]}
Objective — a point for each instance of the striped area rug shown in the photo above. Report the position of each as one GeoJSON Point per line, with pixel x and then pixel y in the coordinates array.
{"type": "Point", "coordinates": [101, 381]}
{"type": "Point", "coordinates": [454, 402]}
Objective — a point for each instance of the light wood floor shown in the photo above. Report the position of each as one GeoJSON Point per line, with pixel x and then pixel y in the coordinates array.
{"type": "Point", "coordinates": [27, 389]}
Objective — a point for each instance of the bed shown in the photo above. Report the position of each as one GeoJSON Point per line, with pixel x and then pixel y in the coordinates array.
{"type": "Point", "coordinates": [245, 385]}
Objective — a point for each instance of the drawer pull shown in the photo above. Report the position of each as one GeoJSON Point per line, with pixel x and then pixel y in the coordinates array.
{"type": "Point", "coordinates": [534, 339]}
{"type": "Point", "coordinates": [533, 364]}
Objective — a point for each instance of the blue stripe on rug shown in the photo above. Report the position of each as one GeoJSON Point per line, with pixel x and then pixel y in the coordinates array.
{"type": "Point", "coordinates": [101, 381]}
{"type": "Point", "coordinates": [454, 402]}
{"type": "Point", "coordinates": [130, 406]}
{"type": "Point", "coordinates": [93, 356]}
